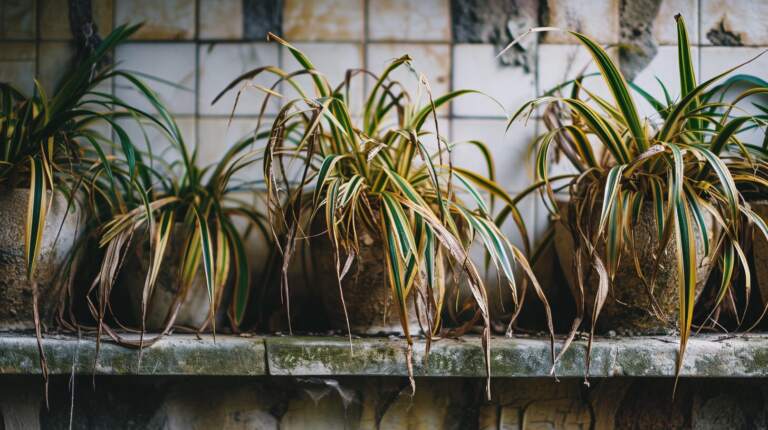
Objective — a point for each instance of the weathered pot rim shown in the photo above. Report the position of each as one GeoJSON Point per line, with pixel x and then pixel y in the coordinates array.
{"type": "Point", "coordinates": [63, 226]}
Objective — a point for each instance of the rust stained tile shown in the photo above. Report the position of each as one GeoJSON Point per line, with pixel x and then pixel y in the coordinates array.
{"type": "Point", "coordinates": [163, 20]}
{"type": "Point", "coordinates": [221, 19]}
{"type": "Point", "coordinates": [323, 20]}
{"type": "Point", "coordinates": [409, 20]}
{"type": "Point", "coordinates": [732, 22]}
{"type": "Point", "coordinates": [581, 16]}
{"type": "Point", "coordinates": [54, 18]}
{"type": "Point", "coordinates": [17, 19]}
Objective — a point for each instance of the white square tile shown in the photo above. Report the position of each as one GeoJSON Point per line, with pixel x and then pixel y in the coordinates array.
{"type": "Point", "coordinates": [423, 20]}
{"type": "Point", "coordinates": [17, 65]}
{"type": "Point", "coordinates": [221, 63]}
{"type": "Point", "coordinates": [147, 136]}
{"type": "Point", "coordinates": [665, 27]}
{"type": "Point", "coordinates": [510, 149]}
{"type": "Point", "coordinates": [431, 60]}
{"type": "Point", "coordinates": [332, 60]}
{"type": "Point", "coordinates": [172, 62]}
{"type": "Point", "coordinates": [598, 19]}
{"type": "Point", "coordinates": [561, 63]}
{"type": "Point", "coordinates": [744, 20]}
{"type": "Point", "coordinates": [429, 136]}
{"type": "Point", "coordinates": [17, 20]}
{"type": "Point", "coordinates": [163, 20]}
{"type": "Point", "coordinates": [332, 20]}
{"type": "Point", "coordinates": [476, 67]}
{"type": "Point", "coordinates": [664, 66]}
{"type": "Point", "coordinates": [754, 135]}
{"type": "Point", "coordinates": [217, 135]}
{"type": "Point", "coordinates": [557, 163]}
{"type": "Point", "coordinates": [221, 19]}
{"type": "Point", "coordinates": [717, 59]}
{"type": "Point", "coordinates": [56, 59]}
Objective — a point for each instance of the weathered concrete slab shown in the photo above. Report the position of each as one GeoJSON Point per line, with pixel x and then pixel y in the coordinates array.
{"type": "Point", "coordinates": [741, 356]}
{"type": "Point", "coordinates": [173, 355]}
{"type": "Point", "coordinates": [706, 356]}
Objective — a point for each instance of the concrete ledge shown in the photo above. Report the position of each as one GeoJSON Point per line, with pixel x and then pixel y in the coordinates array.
{"type": "Point", "coordinates": [706, 356]}
{"type": "Point", "coordinates": [173, 355]}
{"type": "Point", "coordinates": [742, 356]}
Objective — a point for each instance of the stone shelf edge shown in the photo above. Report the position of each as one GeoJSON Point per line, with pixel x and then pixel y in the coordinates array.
{"type": "Point", "coordinates": [740, 356]}
{"type": "Point", "coordinates": [172, 355]}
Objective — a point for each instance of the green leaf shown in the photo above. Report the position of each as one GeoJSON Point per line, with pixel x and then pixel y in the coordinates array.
{"type": "Point", "coordinates": [36, 213]}
{"type": "Point", "coordinates": [610, 193]}
{"type": "Point", "coordinates": [685, 66]}
{"type": "Point", "coordinates": [208, 255]}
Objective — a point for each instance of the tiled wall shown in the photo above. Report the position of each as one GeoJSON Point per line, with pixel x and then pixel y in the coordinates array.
{"type": "Point", "coordinates": [203, 44]}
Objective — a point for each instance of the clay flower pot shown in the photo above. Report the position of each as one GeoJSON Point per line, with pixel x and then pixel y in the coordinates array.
{"type": "Point", "coordinates": [60, 235]}
{"type": "Point", "coordinates": [630, 306]}
{"type": "Point", "coordinates": [195, 306]}
{"type": "Point", "coordinates": [760, 251]}
{"type": "Point", "coordinates": [370, 304]}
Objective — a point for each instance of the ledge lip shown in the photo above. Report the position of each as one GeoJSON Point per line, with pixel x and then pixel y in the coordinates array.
{"type": "Point", "coordinates": [739, 356]}
{"type": "Point", "coordinates": [717, 356]}
{"type": "Point", "coordinates": [179, 354]}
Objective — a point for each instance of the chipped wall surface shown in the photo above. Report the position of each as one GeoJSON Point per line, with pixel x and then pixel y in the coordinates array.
{"type": "Point", "coordinates": [380, 403]}
{"type": "Point", "coordinates": [203, 44]}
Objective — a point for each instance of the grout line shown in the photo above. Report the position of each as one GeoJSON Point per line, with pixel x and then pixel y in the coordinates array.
{"type": "Point", "coordinates": [699, 30]}
{"type": "Point", "coordinates": [113, 81]}
{"type": "Point", "coordinates": [365, 43]}
{"type": "Point", "coordinates": [197, 43]}
{"type": "Point", "coordinates": [247, 40]}
{"type": "Point", "coordinates": [451, 77]}
{"type": "Point", "coordinates": [334, 42]}
{"type": "Point", "coordinates": [36, 5]}
{"type": "Point", "coordinates": [280, 88]}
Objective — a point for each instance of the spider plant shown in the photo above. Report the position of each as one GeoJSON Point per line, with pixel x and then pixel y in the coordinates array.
{"type": "Point", "coordinates": [624, 162]}
{"type": "Point", "coordinates": [53, 143]}
{"type": "Point", "coordinates": [185, 202]}
{"type": "Point", "coordinates": [744, 149]}
{"type": "Point", "coordinates": [745, 152]}
{"type": "Point", "coordinates": [377, 170]}
{"type": "Point", "coordinates": [47, 141]}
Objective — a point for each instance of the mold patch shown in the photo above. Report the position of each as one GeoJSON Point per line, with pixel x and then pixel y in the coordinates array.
{"type": "Point", "coordinates": [498, 22]}
{"type": "Point", "coordinates": [637, 47]}
{"type": "Point", "coordinates": [260, 17]}
{"type": "Point", "coordinates": [721, 36]}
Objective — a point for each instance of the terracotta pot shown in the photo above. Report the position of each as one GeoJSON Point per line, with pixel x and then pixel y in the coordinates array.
{"type": "Point", "coordinates": [369, 301]}
{"type": "Point", "coordinates": [760, 251]}
{"type": "Point", "coordinates": [195, 307]}
{"type": "Point", "coordinates": [16, 293]}
{"type": "Point", "coordinates": [629, 305]}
